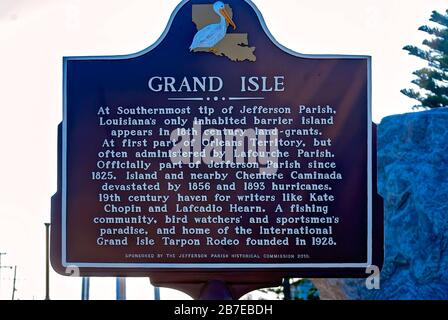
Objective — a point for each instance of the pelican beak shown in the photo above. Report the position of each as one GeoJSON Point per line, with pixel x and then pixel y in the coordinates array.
{"type": "Point", "coordinates": [227, 17]}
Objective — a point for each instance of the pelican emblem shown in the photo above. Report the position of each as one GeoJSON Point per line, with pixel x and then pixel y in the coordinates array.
{"type": "Point", "coordinates": [209, 36]}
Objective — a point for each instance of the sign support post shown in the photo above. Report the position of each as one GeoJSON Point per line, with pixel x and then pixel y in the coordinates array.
{"type": "Point", "coordinates": [121, 288]}
{"type": "Point", "coordinates": [85, 289]}
{"type": "Point", "coordinates": [47, 261]}
{"type": "Point", "coordinates": [216, 290]}
{"type": "Point", "coordinates": [156, 293]}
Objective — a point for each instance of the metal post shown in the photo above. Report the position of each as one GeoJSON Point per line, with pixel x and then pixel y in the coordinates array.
{"type": "Point", "coordinates": [156, 293]}
{"type": "Point", "coordinates": [1, 254]}
{"type": "Point", "coordinates": [121, 288]}
{"type": "Point", "coordinates": [215, 290]}
{"type": "Point", "coordinates": [47, 258]}
{"type": "Point", "coordinates": [286, 289]}
{"type": "Point", "coordinates": [14, 283]}
{"type": "Point", "coordinates": [2, 267]}
{"type": "Point", "coordinates": [85, 291]}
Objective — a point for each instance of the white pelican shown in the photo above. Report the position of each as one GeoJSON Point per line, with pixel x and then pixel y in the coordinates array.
{"type": "Point", "coordinates": [211, 35]}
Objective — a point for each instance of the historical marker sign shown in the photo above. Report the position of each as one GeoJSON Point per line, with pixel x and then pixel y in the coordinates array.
{"type": "Point", "coordinates": [215, 149]}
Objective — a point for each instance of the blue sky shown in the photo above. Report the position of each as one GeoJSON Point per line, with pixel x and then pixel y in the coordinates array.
{"type": "Point", "coordinates": [35, 34]}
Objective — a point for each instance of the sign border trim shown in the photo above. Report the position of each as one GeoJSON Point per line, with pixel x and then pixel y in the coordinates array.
{"type": "Point", "coordinates": [64, 261]}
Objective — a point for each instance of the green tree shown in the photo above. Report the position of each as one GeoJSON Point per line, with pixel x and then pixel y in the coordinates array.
{"type": "Point", "coordinates": [295, 289]}
{"type": "Point", "coordinates": [432, 81]}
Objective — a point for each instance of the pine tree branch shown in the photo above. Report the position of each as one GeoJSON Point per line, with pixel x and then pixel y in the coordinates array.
{"type": "Point", "coordinates": [436, 45]}
{"type": "Point", "coordinates": [415, 51]}
{"type": "Point", "coordinates": [439, 18]}
{"type": "Point", "coordinates": [432, 81]}
{"type": "Point", "coordinates": [432, 31]}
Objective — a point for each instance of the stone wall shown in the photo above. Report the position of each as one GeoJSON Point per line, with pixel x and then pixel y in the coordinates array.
{"type": "Point", "coordinates": [413, 180]}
